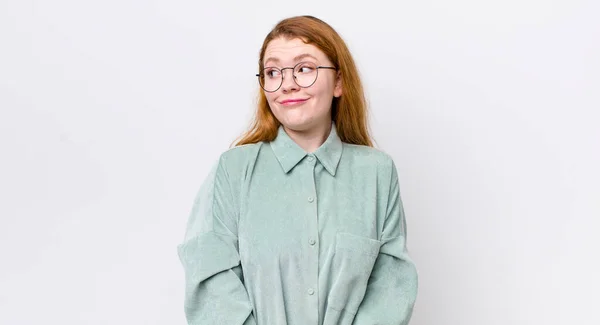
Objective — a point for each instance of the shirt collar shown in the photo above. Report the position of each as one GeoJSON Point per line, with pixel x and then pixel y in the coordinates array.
{"type": "Point", "coordinates": [289, 153]}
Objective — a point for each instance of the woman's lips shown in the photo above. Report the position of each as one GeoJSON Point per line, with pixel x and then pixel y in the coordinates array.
{"type": "Point", "coordinates": [292, 102]}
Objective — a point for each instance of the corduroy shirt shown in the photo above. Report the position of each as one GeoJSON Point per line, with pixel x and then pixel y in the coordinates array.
{"type": "Point", "coordinates": [279, 236]}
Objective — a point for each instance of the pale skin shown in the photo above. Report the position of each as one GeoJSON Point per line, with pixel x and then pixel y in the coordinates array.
{"type": "Point", "coordinates": [305, 113]}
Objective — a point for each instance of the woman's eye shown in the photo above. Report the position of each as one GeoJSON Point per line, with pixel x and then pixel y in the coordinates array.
{"type": "Point", "coordinates": [305, 69]}
{"type": "Point", "coordinates": [272, 73]}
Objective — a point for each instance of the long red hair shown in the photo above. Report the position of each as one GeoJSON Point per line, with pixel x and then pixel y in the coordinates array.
{"type": "Point", "coordinates": [349, 111]}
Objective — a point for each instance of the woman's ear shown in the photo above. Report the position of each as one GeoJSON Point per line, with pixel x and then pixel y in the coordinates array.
{"type": "Point", "coordinates": [337, 91]}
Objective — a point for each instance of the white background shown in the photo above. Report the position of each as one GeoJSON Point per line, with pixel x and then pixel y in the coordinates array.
{"type": "Point", "coordinates": [112, 113]}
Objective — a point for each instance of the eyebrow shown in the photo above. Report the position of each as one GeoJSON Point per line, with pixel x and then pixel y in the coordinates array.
{"type": "Point", "coordinates": [296, 58]}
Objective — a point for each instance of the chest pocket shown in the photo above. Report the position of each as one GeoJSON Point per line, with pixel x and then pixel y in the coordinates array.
{"type": "Point", "coordinates": [351, 268]}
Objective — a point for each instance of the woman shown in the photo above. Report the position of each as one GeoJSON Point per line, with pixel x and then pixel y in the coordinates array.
{"type": "Point", "coordinates": [301, 222]}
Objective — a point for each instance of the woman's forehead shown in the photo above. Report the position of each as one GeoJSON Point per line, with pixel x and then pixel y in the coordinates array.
{"type": "Point", "coordinates": [290, 50]}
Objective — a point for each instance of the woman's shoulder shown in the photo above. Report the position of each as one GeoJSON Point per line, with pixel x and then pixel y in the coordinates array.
{"type": "Point", "coordinates": [240, 156]}
{"type": "Point", "coordinates": [368, 155]}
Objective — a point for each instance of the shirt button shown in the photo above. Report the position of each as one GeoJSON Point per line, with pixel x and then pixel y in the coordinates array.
{"type": "Point", "coordinates": [311, 158]}
{"type": "Point", "coordinates": [311, 292]}
{"type": "Point", "coordinates": [310, 199]}
{"type": "Point", "coordinates": [312, 241]}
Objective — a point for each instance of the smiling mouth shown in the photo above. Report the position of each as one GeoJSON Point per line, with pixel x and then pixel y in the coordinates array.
{"type": "Point", "coordinates": [291, 102]}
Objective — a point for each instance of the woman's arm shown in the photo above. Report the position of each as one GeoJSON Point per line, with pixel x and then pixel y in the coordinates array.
{"type": "Point", "coordinates": [214, 287]}
{"type": "Point", "coordinates": [392, 288]}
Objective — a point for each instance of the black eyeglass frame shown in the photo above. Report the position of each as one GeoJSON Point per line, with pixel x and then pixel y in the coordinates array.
{"type": "Point", "coordinates": [293, 75]}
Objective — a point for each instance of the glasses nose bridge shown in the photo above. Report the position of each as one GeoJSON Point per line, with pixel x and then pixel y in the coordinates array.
{"type": "Point", "coordinates": [283, 74]}
{"type": "Point", "coordinates": [283, 83]}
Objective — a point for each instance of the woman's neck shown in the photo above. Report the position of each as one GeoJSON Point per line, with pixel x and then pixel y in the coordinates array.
{"type": "Point", "coordinates": [310, 140]}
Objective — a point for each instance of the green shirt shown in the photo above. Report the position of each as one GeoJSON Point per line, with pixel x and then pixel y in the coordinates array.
{"type": "Point", "coordinates": [278, 236]}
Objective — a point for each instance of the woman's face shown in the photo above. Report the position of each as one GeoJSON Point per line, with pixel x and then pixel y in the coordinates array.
{"type": "Point", "coordinates": [301, 109]}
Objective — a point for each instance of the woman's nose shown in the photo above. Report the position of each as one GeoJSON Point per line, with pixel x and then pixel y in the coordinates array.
{"type": "Point", "coordinates": [288, 83]}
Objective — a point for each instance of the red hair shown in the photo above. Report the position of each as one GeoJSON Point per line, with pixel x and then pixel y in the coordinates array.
{"type": "Point", "coordinates": [349, 111]}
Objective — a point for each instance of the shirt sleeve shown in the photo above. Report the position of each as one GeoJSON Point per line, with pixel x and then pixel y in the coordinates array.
{"type": "Point", "coordinates": [392, 288]}
{"type": "Point", "coordinates": [214, 282]}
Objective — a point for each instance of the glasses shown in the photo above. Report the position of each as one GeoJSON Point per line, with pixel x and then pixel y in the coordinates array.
{"type": "Point", "coordinates": [305, 74]}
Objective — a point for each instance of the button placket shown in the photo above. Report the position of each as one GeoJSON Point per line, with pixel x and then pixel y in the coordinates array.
{"type": "Point", "coordinates": [311, 240]}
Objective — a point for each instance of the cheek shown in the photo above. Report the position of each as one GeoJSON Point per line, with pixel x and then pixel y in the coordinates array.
{"type": "Point", "coordinates": [322, 94]}
{"type": "Point", "coordinates": [323, 89]}
{"type": "Point", "coordinates": [270, 99]}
